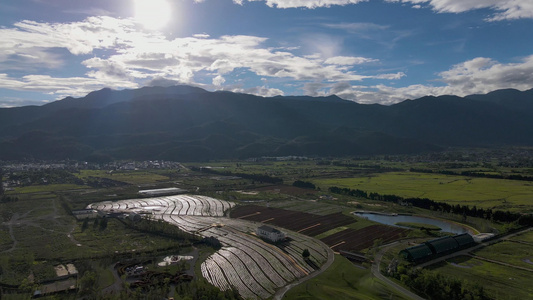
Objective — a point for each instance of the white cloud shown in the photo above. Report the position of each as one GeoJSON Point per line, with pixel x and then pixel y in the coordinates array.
{"type": "Point", "coordinates": [219, 80]}
{"type": "Point", "coordinates": [391, 76]}
{"type": "Point", "coordinates": [348, 60]}
{"type": "Point", "coordinates": [482, 75]}
{"type": "Point", "coordinates": [61, 87]}
{"type": "Point", "coordinates": [117, 54]}
{"type": "Point", "coordinates": [303, 3]}
{"type": "Point", "coordinates": [506, 9]}
{"type": "Point", "coordinates": [477, 76]}
{"type": "Point", "coordinates": [201, 35]}
{"type": "Point", "coordinates": [262, 91]}
{"type": "Point", "coordinates": [357, 27]}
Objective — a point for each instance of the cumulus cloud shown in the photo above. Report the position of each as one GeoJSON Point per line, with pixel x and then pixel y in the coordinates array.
{"type": "Point", "coordinates": [262, 91]}
{"type": "Point", "coordinates": [477, 76]}
{"type": "Point", "coordinates": [219, 80]}
{"type": "Point", "coordinates": [117, 54]}
{"type": "Point", "coordinates": [484, 75]}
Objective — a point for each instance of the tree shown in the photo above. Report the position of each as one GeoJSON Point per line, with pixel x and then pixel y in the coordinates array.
{"type": "Point", "coordinates": [88, 285]}
{"type": "Point", "coordinates": [85, 224]}
{"type": "Point", "coordinates": [306, 253]}
{"type": "Point", "coordinates": [1, 183]}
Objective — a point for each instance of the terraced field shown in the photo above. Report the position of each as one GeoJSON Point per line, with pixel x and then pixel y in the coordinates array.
{"type": "Point", "coordinates": [255, 268]}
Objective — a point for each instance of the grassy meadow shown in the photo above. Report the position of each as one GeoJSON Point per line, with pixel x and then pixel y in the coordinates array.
{"type": "Point", "coordinates": [499, 281]}
{"type": "Point", "coordinates": [502, 194]}
{"type": "Point", "coordinates": [509, 252]}
{"type": "Point", "coordinates": [343, 280]}
{"type": "Point", "coordinates": [131, 177]}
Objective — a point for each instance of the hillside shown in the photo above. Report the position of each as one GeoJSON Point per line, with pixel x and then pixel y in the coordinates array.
{"type": "Point", "coordinates": [187, 123]}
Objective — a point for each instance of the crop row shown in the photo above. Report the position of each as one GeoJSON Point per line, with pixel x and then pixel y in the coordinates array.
{"type": "Point", "coordinates": [177, 205]}
{"type": "Point", "coordinates": [308, 224]}
{"type": "Point", "coordinates": [250, 265]}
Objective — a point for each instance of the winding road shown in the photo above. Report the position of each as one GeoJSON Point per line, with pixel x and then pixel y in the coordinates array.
{"type": "Point", "coordinates": [376, 272]}
{"type": "Point", "coordinates": [331, 257]}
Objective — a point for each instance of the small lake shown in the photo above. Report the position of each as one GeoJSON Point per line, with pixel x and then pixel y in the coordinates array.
{"type": "Point", "coordinates": [393, 219]}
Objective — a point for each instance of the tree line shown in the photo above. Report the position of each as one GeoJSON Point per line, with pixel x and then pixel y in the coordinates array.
{"type": "Point", "coordinates": [3, 197]}
{"type": "Point", "coordinates": [436, 286]}
{"type": "Point", "coordinates": [425, 203]}
{"type": "Point", "coordinates": [475, 174]}
{"type": "Point", "coordinates": [255, 177]}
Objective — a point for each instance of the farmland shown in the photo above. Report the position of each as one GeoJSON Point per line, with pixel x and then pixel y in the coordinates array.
{"type": "Point", "coordinates": [357, 240]}
{"type": "Point", "coordinates": [229, 208]}
{"type": "Point", "coordinates": [502, 282]}
{"type": "Point", "coordinates": [305, 223]}
{"type": "Point", "coordinates": [338, 283]}
{"type": "Point", "coordinates": [481, 192]}
{"type": "Point", "coordinates": [253, 267]}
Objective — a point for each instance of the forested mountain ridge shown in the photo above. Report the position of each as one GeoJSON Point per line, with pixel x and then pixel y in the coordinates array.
{"type": "Point", "coordinates": [188, 123]}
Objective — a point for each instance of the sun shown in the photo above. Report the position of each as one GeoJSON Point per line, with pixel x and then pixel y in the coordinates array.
{"type": "Point", "coordinates": [152, 14]}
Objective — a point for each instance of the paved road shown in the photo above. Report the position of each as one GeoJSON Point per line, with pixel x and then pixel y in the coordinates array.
{"type": "Point", "coordinates": [331, 257]}
{"type": "Point", "coordinates": [392, 284]}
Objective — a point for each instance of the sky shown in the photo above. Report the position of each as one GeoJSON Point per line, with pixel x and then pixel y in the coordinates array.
{"type": "Point", "coordinates": [367, 51]}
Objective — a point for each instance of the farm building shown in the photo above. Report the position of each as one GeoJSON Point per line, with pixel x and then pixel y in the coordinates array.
{"type": "Point", "coordinates": [438, 247]}
{"type": "Point", "coordinates": [478, 238]}
{"type": "Point", "coordinates": [442, 245]}
{"type": "Point", "coordinates": [270, 233]}
{"type": "Point", "coordinates": [416, 253]}
{"type": "Point", "coordinates": [464, 240]}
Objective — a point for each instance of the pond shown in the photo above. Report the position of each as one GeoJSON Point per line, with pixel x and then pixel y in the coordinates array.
{"type": "Point", "coordinates": [393, 219]}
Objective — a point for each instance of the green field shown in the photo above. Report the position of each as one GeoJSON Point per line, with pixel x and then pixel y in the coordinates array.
{"type": "Point", "coordinates": [500, 282]}
{"type": "Point", "coordinates": [524, 237]}
{"type": "Point", "coordinates": [343, 280]}
{"type": "Point", "coordinates": [481, 192]}
{"type": "Point", "coordinates": [508, 252]}
{"type": "Point", "coordinates": [43, 231]}
{"type": "Point", "coordinates": [131, 177]}
{"type": "Point", "coordinates": [46, 188]}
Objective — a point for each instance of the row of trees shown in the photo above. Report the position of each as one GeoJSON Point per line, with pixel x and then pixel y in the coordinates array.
{"type": "Point", "coordinates": [475, 174]}
{"type": "Point", "coordinates": [436, 286]}
{"type": "Point", "coordinates": [465, 210]}
{"type": "Point", "coordinates": [304, 184]}
{"type": "Point", "coordinates": [255, 177]}
{"type": "Point", "coordinates": [3, 197]}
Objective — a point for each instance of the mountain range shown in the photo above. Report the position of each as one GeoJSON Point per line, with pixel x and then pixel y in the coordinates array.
{"type": "Point", "coordinates": [187, 123]}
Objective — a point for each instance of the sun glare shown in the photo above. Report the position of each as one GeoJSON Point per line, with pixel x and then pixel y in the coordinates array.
{"type": "Point", "coordinates": [152, 14]}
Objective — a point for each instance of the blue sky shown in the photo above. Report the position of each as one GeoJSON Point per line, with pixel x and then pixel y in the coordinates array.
{"type": "Point", "coordinates": [375, 51]}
